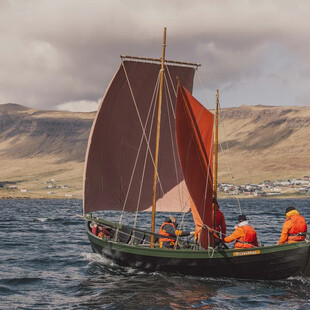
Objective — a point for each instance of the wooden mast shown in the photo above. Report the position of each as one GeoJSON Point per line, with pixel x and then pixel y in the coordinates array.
{"type": "Point", "coordinates": [160, 95]}
{"type": "Point", "coordinates": [216, 145]}
{"type": "Point", "coordinates": [214, 203]}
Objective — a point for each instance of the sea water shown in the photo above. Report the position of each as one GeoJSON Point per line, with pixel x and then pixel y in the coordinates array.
{"type": "Point", "coordinates": [46, 262]}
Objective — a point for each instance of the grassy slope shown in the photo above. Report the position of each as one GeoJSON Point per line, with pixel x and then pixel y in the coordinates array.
{"type": "Point", "coordinates": [263, 143]}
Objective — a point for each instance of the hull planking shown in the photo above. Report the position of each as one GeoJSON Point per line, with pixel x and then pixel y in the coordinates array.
{"type": "Point", "coordinates": [265, 263]}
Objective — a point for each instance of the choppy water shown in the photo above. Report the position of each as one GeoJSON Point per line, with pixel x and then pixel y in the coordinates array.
{"type": "Point", "coordinates": [46, 263]}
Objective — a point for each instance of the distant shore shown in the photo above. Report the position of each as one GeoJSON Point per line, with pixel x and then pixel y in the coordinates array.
{"type": "Point", "coordinates": [22, 196]}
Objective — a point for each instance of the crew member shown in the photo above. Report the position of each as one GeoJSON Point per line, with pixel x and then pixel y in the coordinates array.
{"type": "Point", "coordinates": [168, 233]}
{"type": "Point", "coordinates": [102, 232]}
{"type": "Point", "coordinates": [93, 226]}
{"type": "Point", "coordinates": [244, 234]}
{"type": "Point", "coordinates": [220, 222]}
{"type": "Point", "coordinates": [295, 224]}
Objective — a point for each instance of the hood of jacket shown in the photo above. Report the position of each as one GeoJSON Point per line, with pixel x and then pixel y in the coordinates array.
{"type": "Point", "coordinates": [290, 213]}
{"type": "Point", "coordinates": [244, 223]}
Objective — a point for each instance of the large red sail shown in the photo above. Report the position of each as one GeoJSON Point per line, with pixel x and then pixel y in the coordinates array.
{"type": "Point", "coordinates": [194, 132]}
{"type": "Point", "coordinates": [119, 169]}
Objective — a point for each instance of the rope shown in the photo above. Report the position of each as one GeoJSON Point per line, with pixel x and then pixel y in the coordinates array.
{"type": "Point", "coordinates": [178, 179]}
{"type": "Point", "coordinates": [143, 137]}
{"type": "Point", "coordinates": [147, 139]}
{"type": "Point", "coordinates": [228, 165]}
{"type": "Point", "coordinates": [209, 248]}
{"type": "Point", "coordinates": [180, 186]}
{"type": "Point", "coordinates": [133, 237]}
{"type": "Point", "coordinates": [145, 158]}
{"type": "Point", "coordinates": [136, 160]}
{"type": "Point", "coordinates": [171, 83]}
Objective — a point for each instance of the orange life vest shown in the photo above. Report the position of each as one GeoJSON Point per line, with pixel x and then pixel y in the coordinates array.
{"type": "Point", "coordinates": [162, 232]}
{"type": "Point", "coordinates": [103, 233]}
{"type": "Point", "coordinates": [299, 225]}
{"type": "Point", "coordinates": [248, 240]}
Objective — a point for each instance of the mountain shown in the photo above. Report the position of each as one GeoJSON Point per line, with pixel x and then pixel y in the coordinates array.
{"type": "Point", "coordinates": [31, 133]}
{"type": "Point", "coordinates": [256, 143]}
{"type": "Point", "coordinates": [39, 146]}
{"type": "Point", "coordinates": [264, 142]}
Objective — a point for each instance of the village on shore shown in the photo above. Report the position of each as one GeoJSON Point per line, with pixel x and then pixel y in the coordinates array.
{"type": "Point", "coordinates": [288, 188]}
{"type": "Point", "coordinates": [36, 189]}
{"type": "Point", "coordinates": [275, 188]}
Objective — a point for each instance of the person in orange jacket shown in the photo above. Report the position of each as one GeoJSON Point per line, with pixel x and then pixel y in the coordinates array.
{"type": "Point", "coordinates": [244, 234]}
{"type": "Point", "coordinates": [102, 232]}
{"type": "Point", "coordinates": [169, 233]}
{"type": "Point", "coordinates": [293, 225]}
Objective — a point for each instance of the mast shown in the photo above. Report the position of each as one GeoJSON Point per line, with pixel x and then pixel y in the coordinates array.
{"type": "Point", "coordinates": [214, 203]}
{"type": "Point", "coordinates": [216, 145]}
{"type": "Point", "coordinates": [160, 95]}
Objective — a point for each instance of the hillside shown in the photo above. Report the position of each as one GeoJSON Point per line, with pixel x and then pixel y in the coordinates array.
{"type": "Point", "coordinates": [263, 142]}
{"type": "Point", "coordinates": [37, 146]}
{"type": "Point", "coordinates": [32, 133]}
{"type": "Point", "coordinates": [257, 143]}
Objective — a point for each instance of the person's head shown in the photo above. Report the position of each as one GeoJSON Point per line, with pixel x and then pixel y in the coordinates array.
{"type": "Point", "coordinates": [173, 220]}
{"type": "Point", "coordinates": [288, 209]}
{"type": "Point", "coordinates": [241, 218]}
{"type": "Point", "coordinates": [93, 224]}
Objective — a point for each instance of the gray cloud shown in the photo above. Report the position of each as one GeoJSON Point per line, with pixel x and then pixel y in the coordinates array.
{"type": "Point", "coordinates": [54, 53]}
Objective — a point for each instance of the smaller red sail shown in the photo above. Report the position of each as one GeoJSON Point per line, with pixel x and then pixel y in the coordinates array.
{"type": "Point", "coordinates": [194, 132]}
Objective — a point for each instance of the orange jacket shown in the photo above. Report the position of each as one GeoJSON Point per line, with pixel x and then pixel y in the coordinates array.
{"type": "Point", "coordinates": [168, 231]}
{"type": "Point", "coordinates": [163, 232]}
{"type": "Point", "coordinates": [293, 225]}
{"type": "Point", "coordinates": [246, 234]}
{"type": "Point", "coordinates": [103, 233]}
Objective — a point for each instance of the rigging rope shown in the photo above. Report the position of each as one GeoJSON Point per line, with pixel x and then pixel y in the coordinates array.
{"type": "Point", "coordinates": [228, 165]}
{"type": "Point", "coordinates": [227, 147]}
{"type": "Point", "coordinates": [180, 184]}
{"type": "Point", "coordinates": [146, 152]}
{"type": "Point", "coordinates": [146, 138]}
{"type": "Point", "coordinates": [172, 84]}
{"type": "Point", "coordinates": [143, 137]}
{"type": "Point", "coordinates": [175, 157]}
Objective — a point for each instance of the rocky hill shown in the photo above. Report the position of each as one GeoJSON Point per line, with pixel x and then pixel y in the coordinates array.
{"type": "Point", "coordinates": [32, 133]}
{"type": "Point", "coordinates": [39, 146]}
{"type": "Point", "coordinates": [257, 143]}
{"type": "Point", "coordinates": [264, 142]}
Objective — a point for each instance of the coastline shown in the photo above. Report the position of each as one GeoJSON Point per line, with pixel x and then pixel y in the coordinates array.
{"type": "Point", "coordinates": [24, 196]}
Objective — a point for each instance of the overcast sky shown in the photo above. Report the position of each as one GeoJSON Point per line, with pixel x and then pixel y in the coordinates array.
{"type": "Point", "coordinates": [61, 54]}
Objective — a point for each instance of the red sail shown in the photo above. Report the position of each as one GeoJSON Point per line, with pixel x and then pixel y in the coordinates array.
{"type": "Point", "coordinates": [194, 132]}
{"type": "Point", "coordinates": [119, 169]}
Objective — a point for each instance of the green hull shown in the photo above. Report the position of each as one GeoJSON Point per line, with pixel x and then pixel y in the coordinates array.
{"type": "Point", "coordinates": [268, 263]}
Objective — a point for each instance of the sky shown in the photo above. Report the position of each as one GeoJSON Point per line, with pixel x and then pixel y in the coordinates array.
{"type": "Point", "coordinates": [62, 54]}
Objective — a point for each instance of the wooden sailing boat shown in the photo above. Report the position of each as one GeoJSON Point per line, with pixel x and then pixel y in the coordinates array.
{"type": "Point", "coordinates": [135, 163]}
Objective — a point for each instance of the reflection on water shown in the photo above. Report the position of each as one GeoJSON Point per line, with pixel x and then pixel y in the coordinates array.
{"type": "Point", "coordinates": [136, 289]}
{"type": "Point", "coordinates": [111, 285]}
{"type": "Point", "coordinates": [47, 263]}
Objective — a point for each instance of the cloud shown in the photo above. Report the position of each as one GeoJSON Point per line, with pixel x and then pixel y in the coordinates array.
{"type": "Point", "coordinates": [79, 106]}
{"type": "Point", "coordinates": [55, 52]}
